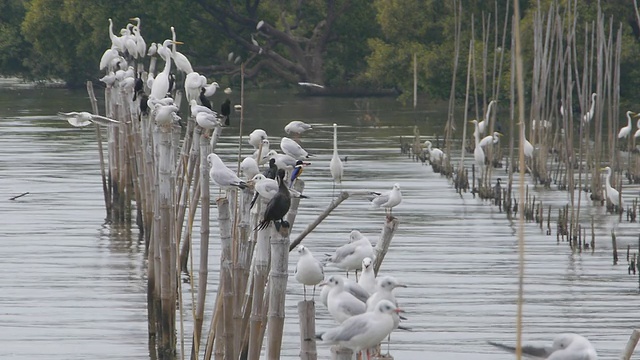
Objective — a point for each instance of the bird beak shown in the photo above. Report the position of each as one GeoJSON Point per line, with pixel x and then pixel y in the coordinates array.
{"type": "Point", "coordinates": [178, 42]}
{"type": "Point", "coordinates": [132, 19]}
{"type": "Point", "coordinates": [322, 283]}
{"type": "Point", "coordinates": [602, 169]}
{"type": "Point", "coordinates": [471, 122]}
{"type": "Point", "coordinates": [398, 310]}
{"type": "Point", "coordinates": [306, 163]}
{"type": "Point", "coordinates": [500, 134]}
{"type": "Point", "coordinates": [401, 285]}
{"type": "Point", "coordinates": [637, 115]}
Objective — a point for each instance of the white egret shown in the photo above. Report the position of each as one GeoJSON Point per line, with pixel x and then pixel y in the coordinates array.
{"type": "Point", "coordinates": [435, 154]}
{"type": "Point", "coordinates": [308, 270]}
{"type": "Point", "coordinates": [589, 115]}
{"type": "Point", "coordinates": [296, 127]}
{"type": "Point", "coordinates": [626, 130]}
{"type": "Point", "coordinates": [83, 118]}
{"type": "Point", "coordinates": [293, 149]}
{"type": "Point", "coordinates": [141, 45]}
{"type": "Point", "coordinates": [335, 166]}
{"type": "Point", "coordinates": [490, 139]}
{"type": "Point", "coordinates": [637, 131]}
{"type": "Point", "coordinates": [161, 83]}
{"type": "Point", "coordinates": [478, 153]}
{"type": "Point", "coordinates": [612, 194]}
{"type": "Point", "coordinates": [387, 200]}
{"type": "Point", "coordinates": [182, 63]}
{"type": "Point", "coordinates": [484, 124]}
{"type": "Point", "coordinates": [107, 57]}
{"type": "Point", "coordinates": [193, 82]}
{"type": "Point", "coordinates": [528, 148]}
{"type": "Point", "coordinates": [116, 41]}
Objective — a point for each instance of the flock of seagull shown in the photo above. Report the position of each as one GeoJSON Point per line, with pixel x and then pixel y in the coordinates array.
{"type": "Point", "coordinates": [365, 309]}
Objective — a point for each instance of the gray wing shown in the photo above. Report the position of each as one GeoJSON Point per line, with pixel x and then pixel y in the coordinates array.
{"type": "Point", "coordinates": [541, 352]}
{"type": "Point", "coordinates": [354, 307]}
{"type": "Point", "coordinates": [350, 328]}
{"type": "Point", "coordinates": [342, 252]}
{"type": "Point", "coordinates": [104, 121]}
{"type": "Point", "coordinates": [358, 291]}
{"type": "Point", "coordinates": [381, 199]}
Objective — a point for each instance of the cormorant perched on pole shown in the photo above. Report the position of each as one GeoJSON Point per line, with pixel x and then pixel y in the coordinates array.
{"type": "Point", "coordinates": [272, 171]}
{"type": "Point", "coordinates": [278, 206]}
{"type": "Point", "coordinates": [203, 99]}
{"type": "Point", "coordinates": [225, 110]}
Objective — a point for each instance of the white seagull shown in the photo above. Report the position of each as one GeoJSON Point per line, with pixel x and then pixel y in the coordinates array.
{"type": "Point", "coordinates": [341, 304]}
{"type": "Point", "coordinates": [364, 331]}
{"type": "Point", "coordinates": [387, 200]}
{"type": "Point", "coordinates": [222, 175]}
{"type": "Point", "coordinates": [256, 137]}
{"type": "Point", "coordinates": [308, 271]}
{"type": "Point", "coordinates": [296, 127]}
{"type": "Point", "coordinates": [249, 167]}
{"type": "Point", "coordinates": [293, 149]}
{"type": "Point", "coordinates": [565, 347]}
{"type": "Point", "coordinates": [349, 257]}
{"type": "Point", "coordinates": [367, 277]}
{"type": "Point", "coordinates": [283, 161]}
{"type": "Point", "coordinates": [83, 118]}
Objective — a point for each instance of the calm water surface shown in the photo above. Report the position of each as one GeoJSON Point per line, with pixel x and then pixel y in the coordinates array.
{"type": "Point", "coordinates": [74, 287]}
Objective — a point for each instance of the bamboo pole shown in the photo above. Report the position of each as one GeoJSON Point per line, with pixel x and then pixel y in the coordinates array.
{"type": "Point", "coordinates": [277, 290]}
{"type": "Point", "coordinates": [204, 247]}
{"type": "Point", "coordinates": [168, 274]}
{"type": "Point", "coordinates": [389, 229]}
{"type": "Point", "coordinates": [94, 107]}
{"type": "Point", "coordinates": [631, 345]}
{"type": "Point", "coordinates": [307, 316]}
{"type": "Point", "coordinates": [226, 278]}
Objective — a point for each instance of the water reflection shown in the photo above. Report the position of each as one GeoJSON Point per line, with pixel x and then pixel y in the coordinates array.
{"type": "Point", "coordinates": [74, 288]}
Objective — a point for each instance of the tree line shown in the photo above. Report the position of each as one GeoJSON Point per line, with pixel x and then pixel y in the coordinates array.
{"type": "Point", "coordinates": [336, 43]}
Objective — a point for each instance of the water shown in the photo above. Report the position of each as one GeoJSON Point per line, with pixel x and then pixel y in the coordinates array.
{"type": "Point", "coordinates": [74, 287]}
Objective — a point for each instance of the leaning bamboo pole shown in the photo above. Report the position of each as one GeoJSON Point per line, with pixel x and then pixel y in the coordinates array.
{"type": "Point", "coordinates": [204, 249]}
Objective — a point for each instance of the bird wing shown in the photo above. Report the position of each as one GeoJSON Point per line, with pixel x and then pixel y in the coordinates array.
{"type": "Point", "coordinates": [351, 327]}
{"type": "Point", "coordinates": [536, 351]}
{"type": "Point", "coordinates": [380, 199]}
{"type": "Point", "coordinates": [342, 252]}
{"type": "Point", "coordinates": [353, 306]}
{"type": "Point", "coordinates": [104, 121]}
{"type": "Point", "coordinates": [73, 118]}
{"type": "Point", "coordinates": [358, 292]}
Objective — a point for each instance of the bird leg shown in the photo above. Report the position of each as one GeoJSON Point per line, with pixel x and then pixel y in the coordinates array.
{"type": "Point", "coordinates": [304, 290]}
{"type": "Point", "coordinates": [356, 275]}
{"type": "Point", "coordinates": [389, 344]}
{"type": "Point", "coordinates": [313, 295]}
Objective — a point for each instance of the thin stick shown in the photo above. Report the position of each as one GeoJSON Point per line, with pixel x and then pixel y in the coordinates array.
{"type": "Point", "coordinates": [631, 345]}
{"type": "Point", "coordinates": [334, 204]}
{"type": "Point", "coordinates": [105, 190]}
{"type": "Point", "coordinates": [520, 86]}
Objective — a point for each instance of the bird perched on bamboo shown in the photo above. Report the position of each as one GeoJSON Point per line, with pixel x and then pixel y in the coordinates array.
{"type": "Point", "coordinates": [278, 206]}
